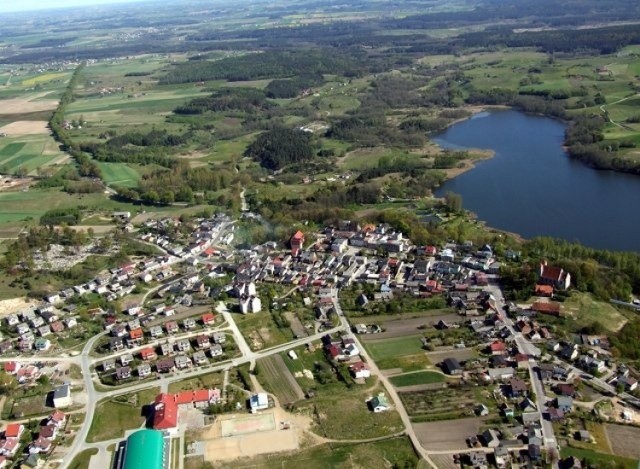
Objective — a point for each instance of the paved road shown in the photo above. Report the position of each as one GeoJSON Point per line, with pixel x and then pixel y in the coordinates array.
{"type": "Point", "coordinates": [391, 391]}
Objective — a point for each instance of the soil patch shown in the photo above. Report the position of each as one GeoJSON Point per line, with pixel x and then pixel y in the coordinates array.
{"type": "Point", "coordinates": [19, 128]}
{"type": "Point", "coordinates": [446, 435]}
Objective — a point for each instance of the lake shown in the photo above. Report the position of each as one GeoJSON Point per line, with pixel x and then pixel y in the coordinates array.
{"type": "Point", "coordinates": [532, 187]}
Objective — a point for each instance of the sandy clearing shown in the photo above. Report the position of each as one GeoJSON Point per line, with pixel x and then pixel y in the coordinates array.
{"type": "Point", "coordinates": [218, 448]}
{"type": "Point", "coordinates": [15, 305]}
{"type": "Point", "coordinates": [29, 104]}
{"type": "Point", "coordinates": [19, 128]}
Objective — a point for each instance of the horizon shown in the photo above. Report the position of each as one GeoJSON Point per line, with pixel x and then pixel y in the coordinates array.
{"type": "Point", "coordinates": [38, 5]}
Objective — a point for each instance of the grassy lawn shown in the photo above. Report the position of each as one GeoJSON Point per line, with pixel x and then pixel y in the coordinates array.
{"type": "Point", "coordinates": [119, 174]}
{"type": "Point", "coordinates": [602, 460]}
{"type": "Point", "coordinates": [261, 331]}
{"type": "Point", "coordinates": [402, 352]}
{"type": "Point", "coordinates": [81, 461]}
{"type": "Point", "coordinates": [115, 416]}
{"type": "Point", "coordinates": [208, 381]}
{"type": "Point", "coordinates": [421, 377]}
{"type": "Point", "coordinates": [395, 452]}
{"type": "Point", "coordinates": [585, 310]}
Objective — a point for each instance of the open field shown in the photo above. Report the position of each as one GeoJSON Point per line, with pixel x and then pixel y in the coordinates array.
{"type": "Point", "coordinates": [585, 310]}
{"type": "Point", "coordinates": [81, 461]}
{"type": "Point", "coordinates": [260, 330]}
{"type": "Point", "coordinates": [113, 417]}
{"type": "Point", "coordinates": [446, 403]}
{"type": "Point", "coordinates": [19, 128]}
{"type": "Point", "coordinates": [401, 327]}
{"type": "Point", "coordinates": [601, 459]}
{"type": "Point", "coordinates": [207, 381]}
{"type": "Point", "coordinates": [394, 451]}
{"type": "Point", "coordinates": [405, 353]}
{"type": "Point", "coordinates": [417, 378]}
{"type": "Point", "coordinates": [27, 103]}
{"type": "Point", "coordinates": [279, 380]}
{"type": "Point", "coordinates": [30, 150]}
{"type": "Point", "coordinates": [459, 354]}
{"type": "Point", "coordinates": [119, 174]}
{"type": "Point", "coordinates": [449, 435]}
{"type": "Point", "coordinates": [624, 440]}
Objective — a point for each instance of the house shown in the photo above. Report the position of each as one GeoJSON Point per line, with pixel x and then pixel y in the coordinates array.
{"type": "Point", "coordinates": [360, 370]}
{"type": "Point", "coordinates": [478, 460]}
{"type": "Point", "coordinates": [554, 276]}
{"type": "Point", "coordinates": [62, 396]}
{"type": "Point", "coordinates": [564, 403]}
{"type": "Point", "coordinates": [555, 414]}
{"type": "Point", "coordinates": [208, 319]}
{"type": "Point", "coordinates": [171, 327]}
{"type": "Point", "coordinates": [544, 290]}
{"type": "Point", "coordinates": [216, 350]}
{"type": "Point", "coordinates": [57, 418]}
{"type": "Point", "coordinates": [569, 352]}
{"type": "Point", "coordinates": [9, 447]}
{"type": "Point", "coordinates": [566, 390]}
{"type": "Point", "coordinates": [144, 370]}
{"type": "Point", "coordinates": [12, 367]}
{"type": "Point", "coordinates": [482, 410]}
{"type": "Point", "coordinates": [219, 337]}
{"type": "Point", "coordinates": [13, 430]}
{"type": "Point", "coordinates": [584, 435]}
{"type": "Point", "coordinates": [258, 402]}
{"type": "Point", "coordinates": [297, 243]}
{"type": "Point", "coordinates": [200, 358]}
{"type": "Point", "coordinates": [116, 344]}
{"type": "Point", "coordinates": [535, 452]}
{"type": "Point", "coordinates": [202, 342]}
{"type": "Point", "coordinates": [629, 383]}
{"type": "Point", "coordinates": [546, 307]}
{"type": "Point", "coordinates": [124, 372]}
{"type": "Point", "coordinates": [148, 353]}
{"type": "Point", "coordinates": [40, 445]}
{"type": "Point", "coordinates": [48, 431]}
{"type": "Point", "coordinates": [166, 349]}
{"type": "Point", "coordinates": [165, 412]}
{"type": "Point", "coordinates": [522, 360]}
{"type": "Point", "coordinates": [165, 365]}
{"type": "Point", "coordinates": [136, 335]}
{"type": "Point", "coordinates": [155, 331]}
{"type": "Point", "coordinates": [183, 345]}
{"type": "Point", "coordinates": [189, 323]}
{"type": "Point", "coordinates": [490, 438]}
{"type": "Point", "coordinates": [379, 403]}
{"type": "Point", "coordinates": [42, 344]}
{"type": "Point", "coordinates": [517, 387]}
{"type": "Point", "coordinates": [126, 359]}
{"type": "Point", "coordinates": [182, 362]}
{"type": "Point", "coordinates": [498, 348]}
{"type": "Point", "coordinates": [452, 367]}
{"type": "Point", "coordinates": [502, 374]}
{"type": "Point", "coordinates": [108, 365]}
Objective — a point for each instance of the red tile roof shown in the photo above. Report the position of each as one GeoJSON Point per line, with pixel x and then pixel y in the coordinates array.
{"type": "Point", "coordinates": [208, 318]}
{"type": "Point", "coordinates": [498, 347]}
{"type": "Point", "coordinates": [13, 430]}
{"type": "Point", "coordinates": [298, 236]}
{"type": "Point", "coordinates": [165, 414]}
{"type": "Point", "coordinates": [11, 367]}
{"type": "Point", "coordinates": [546, 308]}
{"type": "Point", "coordinates": [136, 333]}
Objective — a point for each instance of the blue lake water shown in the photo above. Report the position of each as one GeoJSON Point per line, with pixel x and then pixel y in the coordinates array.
{"type": "Point", "coordinates": [531, 187]}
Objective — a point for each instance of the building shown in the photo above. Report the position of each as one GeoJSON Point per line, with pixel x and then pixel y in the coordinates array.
{"type": "Point", "coordinates": [62, 396]}
{"type": "Point", "coordinates": [451, 366]}
{"type": "Point", "coordinates": [379, 403]}
{"type": "Point", "coordinates": [144, 450]}
{"type": "Point", "coordinates": [297, 243]}
{"type": "Point", "coordinates": [258, 402]}
{"type": "Point", "coordinates": [554, 276]}
{"type": "Point", "coordinates": [165, 415]}
{"type": "Point", "coordinates": [360, 370]}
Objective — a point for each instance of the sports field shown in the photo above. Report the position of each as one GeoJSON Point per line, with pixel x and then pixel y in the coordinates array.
{"type": "Point", "coordinates": [250, 424]}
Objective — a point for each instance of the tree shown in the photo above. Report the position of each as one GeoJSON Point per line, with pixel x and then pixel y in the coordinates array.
{"type": "Point", "coordinates": [8, 383]}
{"type": "Point", "coordinates": [453, 201]}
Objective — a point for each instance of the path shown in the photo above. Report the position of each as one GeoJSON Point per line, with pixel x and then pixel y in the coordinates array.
{"type": "Point", "coordinates": [606, 113]}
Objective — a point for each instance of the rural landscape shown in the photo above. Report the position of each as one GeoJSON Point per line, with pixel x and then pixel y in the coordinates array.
{"type": "Point", "coordinates": [381, 234]}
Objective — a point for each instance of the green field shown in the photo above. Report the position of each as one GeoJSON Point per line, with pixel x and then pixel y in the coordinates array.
{"type": "Point", "coordinates": [585, 310]}
{"type": "Point", "coordinates": [119, 174]}
{"type": "Point", "coordinates": [396, 452]}
{"type": "Point", "coordinates": [602, 460]}
{"type": "Point", "coordinates": [278, 380]}
{"type": "Point", "coordinates": [420, 377]}
{"type": "Point", "coordinates": [29, 152]}
{"type": "Point", "coordinates": [391, 348]}
{"type": "Point", "coordinates": [114, 416]}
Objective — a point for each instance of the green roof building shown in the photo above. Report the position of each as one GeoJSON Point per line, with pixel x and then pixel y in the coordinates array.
{"type": "Point", "coordinates": [145, 450]}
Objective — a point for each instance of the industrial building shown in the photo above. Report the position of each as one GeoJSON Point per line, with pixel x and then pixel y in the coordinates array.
{"type": "Point", "coordinates": [144, 450]}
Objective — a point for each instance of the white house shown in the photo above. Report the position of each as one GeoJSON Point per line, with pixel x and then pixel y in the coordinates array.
{"type": "Point", "coordinates": [258, 402]}
{"type": "Point", "coordinates": [62, 396]}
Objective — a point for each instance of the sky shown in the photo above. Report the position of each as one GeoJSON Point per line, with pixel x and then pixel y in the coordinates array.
{"type": "Point", "coordinates": [7, 6]}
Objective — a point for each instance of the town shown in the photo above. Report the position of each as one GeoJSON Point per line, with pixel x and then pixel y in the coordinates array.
{"type": "Point", "coordinates": [216, 351]}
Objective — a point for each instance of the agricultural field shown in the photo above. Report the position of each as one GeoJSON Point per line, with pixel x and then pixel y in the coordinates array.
{"type": "Point", "coordinates": [447, 436]}
{"type": "Point", "coordinates": [119, 174]}
{"type": "Point", "coordinates": [407, 324]}
{"type": "Point", "coordinates": [277, 378]}
{"type": "Point", "coordinates": [447, 403]}
{"type": "Point", "coordinates": [405, 353]}
{"type": "Point", "coordinates": [30, 151]}
{"type": "Point", "coordinates": [417, 378]}
{"type": "Point", "coordinates": [624, 440]}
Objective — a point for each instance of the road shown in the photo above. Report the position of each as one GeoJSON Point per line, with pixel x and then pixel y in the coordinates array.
{"type": "Point", "coordinates": [527, 348]}
{"type": "Point", "coordinates": [391, 391]}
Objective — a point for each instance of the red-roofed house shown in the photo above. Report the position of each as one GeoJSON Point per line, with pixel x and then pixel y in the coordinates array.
{"type": "Point", "coordinates": [9, 447]}
{"type": "Point", "coordinates": [41, 445]}
{"type": "Point", "coordinates": [544, 290]}
{"type": "Point", "coordinates": [360, 370]}
{"type": "Point", "coordinates": [297, 243]}
{"type": "Point", "coordinates": [554, 276]}
{"type": "Point", "coordinates": [498, 348]}
{"type": "Point", "coordinates": [57, 418]}
{"type": "Point", "coordinates": [546, 308]}
{"type": "Point", "coordinates": [208, 319]}
{"type": "Point", "coordinates": [148, 353]}
{"type": "Point", "coordinates": [334, 352]}
{"type": "Point", "coordinates": [11, 367]}
{"type": "Point", "coordinates": [136, 334]}
{"type": "Point", "coordinates": [13, 430]}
